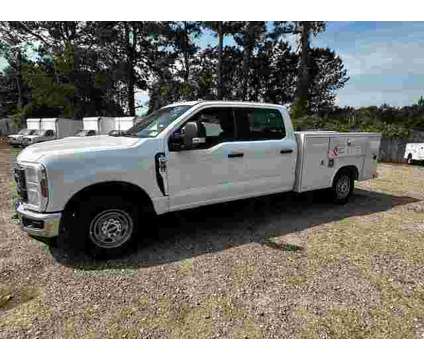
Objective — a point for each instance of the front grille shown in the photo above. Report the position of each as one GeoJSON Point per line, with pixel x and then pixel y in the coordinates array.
{"type": "Point", "coordinates": [19, 175]}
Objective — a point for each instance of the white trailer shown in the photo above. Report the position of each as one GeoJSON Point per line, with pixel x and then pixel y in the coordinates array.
{"type": "Point", "coordinates": [53, 128]}
{"type": "Point", "coordinates": [102, 125]}
{"type": "Point", "coordinates": [33, 124]}
{"type": "Point", "coordinates": [414, 152]}
{"type": "Point", "coordinates": [62, 127]}
{"type": "Point", "coordinates": [124, 123]}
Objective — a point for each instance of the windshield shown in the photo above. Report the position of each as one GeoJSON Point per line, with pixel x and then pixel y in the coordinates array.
{"type": "Point", "coordinates": [39, 132]}
{"type": "Point", "coordinates": [26, 132]}
{"type": "Point", "coordinates": [84, 133]}
{"type": "Point", "coordinates": [153, 124]}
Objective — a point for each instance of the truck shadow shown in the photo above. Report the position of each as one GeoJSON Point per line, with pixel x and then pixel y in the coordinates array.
{"type": "Point", "coordinates": [215, 228]}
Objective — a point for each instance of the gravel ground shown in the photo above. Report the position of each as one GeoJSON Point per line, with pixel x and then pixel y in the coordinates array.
{"type": "Point", "coordinates": [283, 266]}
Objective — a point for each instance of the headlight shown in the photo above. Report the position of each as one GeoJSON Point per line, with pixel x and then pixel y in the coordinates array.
{"type": "Point", "coordinates": [37, 186]}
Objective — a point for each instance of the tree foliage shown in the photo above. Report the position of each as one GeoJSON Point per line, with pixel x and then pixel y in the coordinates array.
{"type": "Point", "coordinates": [80, 69]}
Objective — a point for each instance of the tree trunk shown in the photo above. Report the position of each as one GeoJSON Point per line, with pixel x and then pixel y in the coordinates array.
{"type": "Point", "coordinates": [19, 104]}
{"type": "Point", "coordinates": [219, 65]}
{"type": "Point", "coordinates": [246, 61]}
{"type": "Point", "coordinates": [302, 86]}
{"type": "Point", "coordinates": [130, 70]}
{"type": "Point", "coordinates": [186, 55]}
{"type": "Point", "coordinates": [248, 48]}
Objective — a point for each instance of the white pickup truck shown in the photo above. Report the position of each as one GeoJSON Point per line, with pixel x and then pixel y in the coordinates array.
{"type": "Point", "coordinates": [100, 191]}
{"type": "Point", "coordinates": [414, 152]}
{"type": "Point", "coordinates": [33, 125]}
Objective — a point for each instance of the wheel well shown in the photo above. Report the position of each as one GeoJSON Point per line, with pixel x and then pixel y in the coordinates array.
{"type": "Point", "coordinates": [352, 169]}
{"type": "Point", "coordinates": [129, 191]}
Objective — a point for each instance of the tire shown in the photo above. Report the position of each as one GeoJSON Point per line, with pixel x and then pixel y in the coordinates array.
{"type": "Point", "coordinates": [104, 227]}
{"type": "Point", "coordinates": [409, 160]}
{"type": "Point", "coordinates": [342, 188]}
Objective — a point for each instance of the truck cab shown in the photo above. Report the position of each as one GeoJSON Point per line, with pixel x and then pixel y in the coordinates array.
{"type": "Point", "coordinates": [101, 190]}
{"type": "Point", "coordinates": [83, 133]}
{"type": "Point", "coordinates": [38, 136]}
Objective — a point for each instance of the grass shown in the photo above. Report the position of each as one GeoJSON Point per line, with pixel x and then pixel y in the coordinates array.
{"type": "Point", "coordinates": [186, 267]}
{"type": "Point", "coordinates": [360, 241]}
{"type": "Point", "coordinates": [22, 307]}
{"type": "Point", "coordinates": [372, 259]}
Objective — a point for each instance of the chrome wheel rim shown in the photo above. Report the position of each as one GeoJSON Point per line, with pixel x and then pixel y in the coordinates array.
{"type": "Point", "coordinates": [343, 186]}
{"type": "Point", "coordinates": [111, 228]}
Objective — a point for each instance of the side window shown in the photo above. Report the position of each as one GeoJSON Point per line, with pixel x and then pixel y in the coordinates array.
{"type": "Point", "coordinates": [259, 124]}
{"type": "Point", "coordinates": [216, 125]}
{"type": "Point", "coordinates": [49, 133]}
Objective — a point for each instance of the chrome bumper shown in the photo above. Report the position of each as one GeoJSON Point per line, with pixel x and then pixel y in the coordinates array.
{"type": "Point", "coordinates": [39, 224]}
{"type": "Point", "coordinates": [14, 142]}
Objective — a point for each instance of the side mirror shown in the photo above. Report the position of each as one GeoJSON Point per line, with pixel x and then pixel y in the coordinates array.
{"type": "Point", "coordinates": [190, 132]}
{"type": "Point", "coordinates": [187, 139]}
{"type": "Point", "coordinates": [192, 135]}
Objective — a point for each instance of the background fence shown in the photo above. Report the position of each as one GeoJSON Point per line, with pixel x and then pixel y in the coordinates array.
{"type": "Point", "coordinates": [7, 127]}
{"type": "Point", "coordinates": [393, 150]}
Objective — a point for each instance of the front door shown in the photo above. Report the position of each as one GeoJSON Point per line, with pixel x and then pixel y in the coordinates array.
{"type": "Point", "coordinates": [203, 174]}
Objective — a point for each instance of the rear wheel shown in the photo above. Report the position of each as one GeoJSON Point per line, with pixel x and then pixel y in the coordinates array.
{"type": "Point", "coordinates": [105, 227]}
{"type": "Point", "coordinates": [342, 188]}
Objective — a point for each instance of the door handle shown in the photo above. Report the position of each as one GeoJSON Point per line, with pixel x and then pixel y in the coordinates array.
{"type": "Point", "coordinates": [235, 155]}
{"type": "Point", "coordinates": [286, 151]}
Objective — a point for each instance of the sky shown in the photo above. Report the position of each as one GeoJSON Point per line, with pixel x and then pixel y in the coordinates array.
{"type": "Point", "coordinates": [384, 60]}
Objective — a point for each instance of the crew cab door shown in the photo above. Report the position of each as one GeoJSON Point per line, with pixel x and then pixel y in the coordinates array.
{"type": "Point", "coordinates": [245, 153]}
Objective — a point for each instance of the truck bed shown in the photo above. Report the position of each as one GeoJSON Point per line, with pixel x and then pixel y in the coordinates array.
{"type": "Point", "coordinates": [322, 153]}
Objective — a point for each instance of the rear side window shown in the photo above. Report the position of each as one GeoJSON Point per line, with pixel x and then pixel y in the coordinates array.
{"type": "Point", "coordinates": [254, 124]}
{"type": "Point", "coordinates": [49, 133]}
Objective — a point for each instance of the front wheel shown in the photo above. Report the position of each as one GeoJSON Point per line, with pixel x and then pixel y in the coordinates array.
{"type": "Point", "coordinates": [409, 160]}
{"type": "Point", "coordinates": [342, 187]}
{"type": "Point", "coordinates": [105, 226]}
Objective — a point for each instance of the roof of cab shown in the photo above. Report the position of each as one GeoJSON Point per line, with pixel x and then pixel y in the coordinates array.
{"type": "Point", "coordinates": [222, 102]}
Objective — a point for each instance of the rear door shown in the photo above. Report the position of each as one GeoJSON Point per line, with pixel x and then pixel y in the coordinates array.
{"type": "Point", "coordinates": [265, 156]}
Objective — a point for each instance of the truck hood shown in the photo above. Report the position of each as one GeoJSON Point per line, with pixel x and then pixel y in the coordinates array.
{"type": "Point", "coordinates": [75, 145]}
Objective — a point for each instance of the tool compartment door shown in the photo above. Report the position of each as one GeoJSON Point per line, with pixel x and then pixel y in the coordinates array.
{"type": "Point", "coordinates": [348, 150]}
{"type": "Point", "coordinates": [371, 159]}
{"type": "Point", "coordinates": [315, 173]}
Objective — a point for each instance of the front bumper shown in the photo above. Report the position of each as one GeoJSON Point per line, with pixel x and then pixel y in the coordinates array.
{"type": "Point", "coordinates": [44, 225]}
{"type": "Point", "coordinates": [13, 141]}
